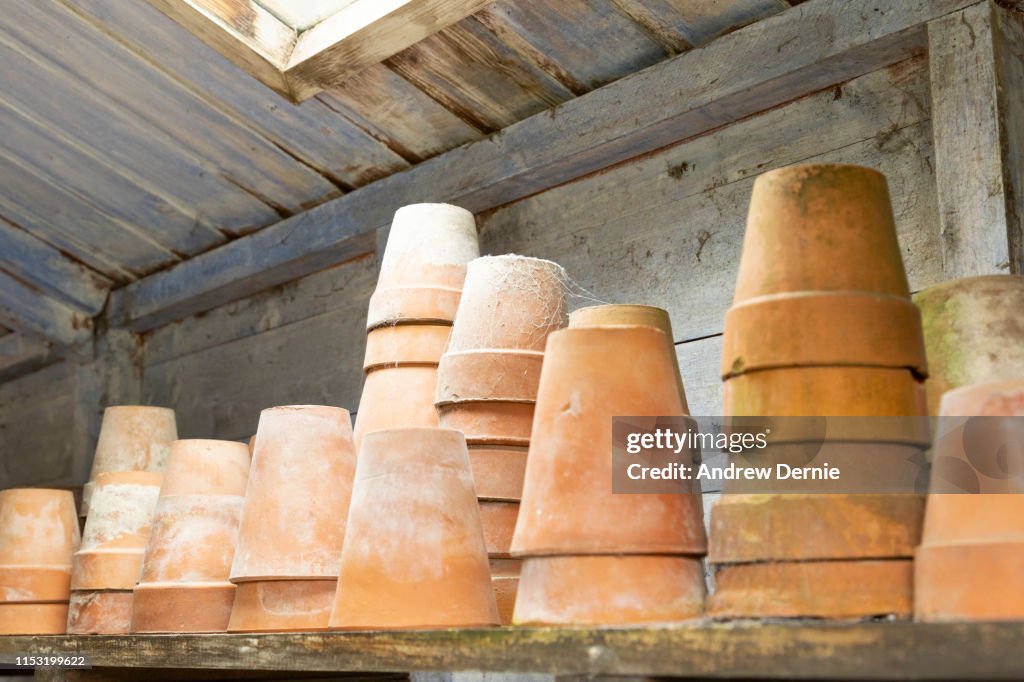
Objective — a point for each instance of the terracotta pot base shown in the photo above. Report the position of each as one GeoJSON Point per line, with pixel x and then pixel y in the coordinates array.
{"type": "Point", "coordinates": [609, 590]}
{"type": "Point", "coordinates": [33, 619]}
{"type": "Point", "coordinates": [282, 605]}
{"type": "Point", "coordinates": [813, 589]}
{"type": "Point", "coordinates": [100, 612]}
{"type": "Point", "coordinates": [389, 307]}
{"type": "Point", "coordinates": [185, 607]}
{"type": "Point", "coordinates": [34, 583]}
{"type": "Point", "coordinates": [405, 344]}
{"type": "Point", "coordinates": [505, 589]}
{"type": "Point", "coordinates": [969, 582]}
{"type": "Point", "coordinates": [746, 528]}
{"type": "Point", "coordinates": [487, 423]}
{"type": "Point", "coordinates": [499, 523]}
{"type": "Point", "coordinates": [488, 375]}
{"type": "Point", "coordinates": [498, 472]}
{"type": "Point", "coordinates": [106, 570]}
{"type": "Point", "coordinates": [396, 397]}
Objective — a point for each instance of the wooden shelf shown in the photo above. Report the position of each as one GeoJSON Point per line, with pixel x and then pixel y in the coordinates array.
{"type": "Point", "coordinates": [881, 650]}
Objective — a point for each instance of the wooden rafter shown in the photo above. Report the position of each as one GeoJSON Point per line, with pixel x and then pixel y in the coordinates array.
{"type": "Point", "coordinates": [25, 309]}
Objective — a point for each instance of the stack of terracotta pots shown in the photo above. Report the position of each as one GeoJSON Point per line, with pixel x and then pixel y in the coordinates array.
{"type": "Point", "coordinates": [822, 325]}
{"type": "Point", "coordinates": [132, 438]}
{"type": "Point", "coordinates": [38, 535]}
{"type": "Point", "coordinates": [970, 565]}
{"type": "Point", "coordinates": [293, 523]}
{"type": "Point", "coordinates": [487, 387]}
{"type": "Point", "coordinates": [414, 553]}
{"type": "Point", "coordinates": [411, 314]}
{"type": "Point", "coordinates": [972, 332]}
{"type": "Point", "coordinates": [184, 584]}
{"type": "Point", "coordinates": [107, 566]}
{"type": "Point", "coordinates": [593, 557]}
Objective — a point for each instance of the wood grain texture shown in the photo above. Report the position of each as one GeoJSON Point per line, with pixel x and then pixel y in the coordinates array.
{"type": "Point", "coordinates": [20, 355]}
{"type": "Point", "coordinates": [683, 24]}
{"type": "Point", "coordinates": [794, 650]}
{"type": "Point", "coordinates": [36, 427]}
{"type": "Point", "coordinates": [979, 139]}
{"type": "Point", "coordinates": [24, 309]}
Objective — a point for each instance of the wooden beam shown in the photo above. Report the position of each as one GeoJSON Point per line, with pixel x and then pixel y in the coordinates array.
{"type": "Point", "coordinates": [25, 309]}
{"type": "Point", "coordinates": [861, 651]}
{"type": "Point", "coordinates": [20, 355]}
{"type": "Point", "coordinates": [784, 57]}
{"type": "Point", "coordinates": [977, 81]}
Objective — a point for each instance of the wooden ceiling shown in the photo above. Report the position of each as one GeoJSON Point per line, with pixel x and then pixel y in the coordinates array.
{"type": "Point", "coordinates": [127, 145]}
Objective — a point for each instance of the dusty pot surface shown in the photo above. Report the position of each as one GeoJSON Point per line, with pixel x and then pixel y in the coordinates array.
{"type": "Point", "coordinates": [182, 607]}
{"type": "Point", "coordinates": [106, 612]}
{"type": "Point", "coordinates": [820, 228]}
{"type": "Point", "coordinates": [510, 302]}
{"type": "Point", "coordinates": [116, 531]}
{"type": "Point", "coordinates": [498, 472]}
{"type": "Point", "coordinates": [424, 264]}
{"type": "Point", "coordinates": [132, 438]}
{"type": "Point", "coordinates": [405, 344]}
{"type": "Point", "coordinates": [33, 619]}
{"type": "Point", "coordinates": [747, 528]}
{"type": "Point", "coordinates": [282, 605]}
{"type": "Point", "coordinates": [193, 539]}
{"type": "Point", "coordinates": [609, 590]}
{"type": "Point", "coordinates": [838, 329]}
{"type": "Point", "coordinates": [979, 581]}
{"type": "Point", "coordinates": [591, 375]}
{"type": "Point", "coordinates": [973, 331]}
{"type": "Point", "coordinates": [488, 375]}
{"type": "Point", "coordinates": [414, 553]}
{"type": "Point", "coordinates": [498, 520]}
{"type": "Point", "coordinates": [396, 397]}
{"type": "Point", "coordinates": [489, 422]}
{"type": "Point", "coordinates": [206, 467]}
{"type": "Point", "coordinates": [296, 503]}
{"type": "Point", "coordinates": [813, 589]}
{"type": "Point", "coordinates": [631, 315]}
{"type": "Point", "coordinates": [38, 535]}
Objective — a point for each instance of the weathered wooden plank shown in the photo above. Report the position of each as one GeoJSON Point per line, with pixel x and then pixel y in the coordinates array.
{"type": "Point", "coordinates": [301, 16]}
{"type": "Point", "coordinates": [472, 73]}
{"type": "Point", "coordinates": [979, 140]}
{"type": "Point", "coordinates": [313, 133]}
{"type": "Point", "coordinates": [50, 271]}
{"type": "Point", "coordinates": [682, 24]}
{"type": "Point", "coordinates": [398, 113]}
{"type": "Point", "coordinates": [890, 650]}
{"type": "Point", "coordinates": [20, 355]}
{"type": "Point", "coordinates": [36, 428]}
{"type": "Point", "coordinates": [26, 310]}
{"type": "Point", "coordinates": [750, 70]}
{"type": "Point", "coordinates": [91, 58]}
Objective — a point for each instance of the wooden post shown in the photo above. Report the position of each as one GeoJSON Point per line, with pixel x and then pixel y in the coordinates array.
{"type": "Point", "coordinates": [977, 76]}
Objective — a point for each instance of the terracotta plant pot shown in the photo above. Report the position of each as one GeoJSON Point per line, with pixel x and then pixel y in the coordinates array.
{"type": "Point", "coordinates": [568, 506]}
{"type": "Point", "coordinates": [132, 438]}
{"type": "Point", "coordinates": [38, 535]}
{"type": "Point", "coordinates": [424, 265]}
{"type": "Point", "coordinates": [33, 619]}
{"type": "Point", "coordinates": [396, 397]}
{"type": "Point", "coordinates": [505, 580]}
{"type": "Point", "coordinates": [184, 585]}
{"type": "Point", "coordinates": [629, 315]}
{"type": "Point", "coordinates": [498, 520]}
{"type": "Point", "coordinates": [489, 423]}
{"type": "Point", "coordinates": [116, 531]}
{"type": "Point", "coordinates": [414, 554]}
{"type": "Point", "coordinates": [609, 590]}
{"type": "Point", "coordinates": [836, 329]}
{"type": "Point", "coordinates": [100, 612]}
{"type": "Point", "coordinates": [963, 532]}
{"type": "Point", "coordinates": [498, 472]}
{"type": "Point", "coordinates": [487, 376]}
{"type": "Point", "coordinates": [813, 589]}
{"type": "Point", "coordinates": [293, 521]}
{"type": "Point", "coordinates": [820, 228]}
{"type": "Point", "coordinates": [405, 344]}
{"type": "Point", "coordinates": [282, 605]}
{"type": "Point", "coordinates": [972, 331]}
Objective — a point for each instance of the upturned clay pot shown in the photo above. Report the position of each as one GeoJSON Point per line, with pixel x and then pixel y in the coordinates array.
{"type": "Point", "coordinates": [396, 397]}
{"type": "Point", "coordinates": [568, 506]}
{"type": "Point", "coordinates": [505, 580]}
{"type": "Point", "coordinates": [184, 585]}
{"type": "Point", "coordinates": [414, 553]}
{"type": "Point", "coordinates": [609, 590]}
{"type": "Point", "coordinates": [836, 329]}
{"type": "Point", "coordinates": [820, 228]}
{"type": "Point", "coordinates": [630, 315]}
{"type": "Point", "coordinates": [38, 535]}
{"type": "Point", "coordinates": [100, 612]}
{"type": "Point", "coordinates": [405, 344]}
{"type": "Point", "coordinates": [973, 331]}
{"type": "Point", "coordinates": [813, 589]}
{"type": "Point", "coordinates": [33, 619]}
{"type": "Point", "coordinates": [498, 520]}
{"type": "Point", "coordinates": [964, 531]}
{"type": "Point", "coordinates": [498, 472]}
{"type": "Point", "coordinates": [485, 376]}
{"type": "Point", "coordinates": [489, 423]}
{"type": "Point", "coordinates": [132, 438]}
{"type": "Point", "coordinates": [424, 265]}
{"type": "Point", "coordinates": [282, 605]}
{"type": "Point", "coordinates": [116, 532]}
